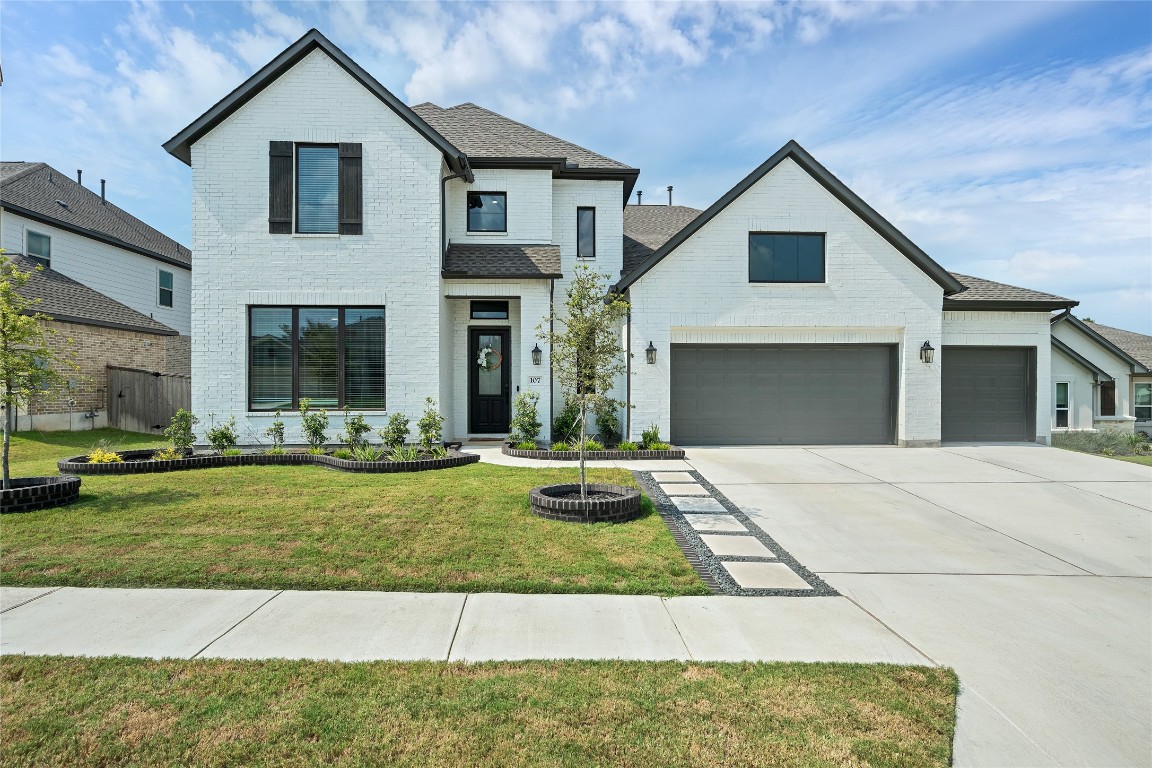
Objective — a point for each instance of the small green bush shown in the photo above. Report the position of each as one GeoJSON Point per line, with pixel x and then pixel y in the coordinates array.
{"type": "Point", "coordinates": [396, 431]}
{"type": "Point", "coordinates": [658, 446]}
{"type": "Point", "coordinates": [430, 426]}
{"type": "Point", "coordinates": [224, 436]}
{"type": "Point", "coordinates": [179, 432]}
{"type": "Point", "coordinates": [650, 436]}
{"type": "Point", "coordinates": [560, 445]}
{"type": "Point", "coordinates": [167, 454]}
{"type": "Point", "coordinates": [342, 453]}
{"type": "Point", "coordinates": [525, 445]}
{"type": "Point", "coordinates": [1106, 442]}
{"type": "Point", "coordinates": [232, 452]}
{"type": "Point", "coordinates": [566, 425]}
{"type": "Point", "coordinates": [314, 423]}
{"type": "Point", "coordinates": [355, 427]}
{"type": "Point", "coordinates": [404, 453]}
{"type": "Point", "coordinates": [276, 450]}
{"type": "Point", "coordinates": [526, 419]}
{"type": "Point", "coordinates": [628, 445]}
{"type": "Point", "coordinates": [368, 452]}
{"type": "Point", "coordinates": [440, 452]}
{"type": "Point", "coordinates": [317, 450]}
{"type": "Point", "coordinates": [276, 434]}
{"type": "Point", "coordinates": [607, 420]}
{"type": "Point", "coordinates": [100, 455]}
{"type": "Point", "coordinates": [593, 445]}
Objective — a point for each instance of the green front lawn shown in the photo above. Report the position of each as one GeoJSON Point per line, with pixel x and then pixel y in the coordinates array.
{"type": "Point", "coordinates": [75, 712]}
{"type": "Point", "coordinates": [466, 529]}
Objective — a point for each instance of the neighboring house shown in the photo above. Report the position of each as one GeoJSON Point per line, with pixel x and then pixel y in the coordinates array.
{"type": "Point", "coordinates": [100, 332]}
{"type": "Point", "coordinates": [361, 253]}
{"type": "Point", "coordinates": [1100, 376]}
{"type": "Point", "coordinates": [125, 265]}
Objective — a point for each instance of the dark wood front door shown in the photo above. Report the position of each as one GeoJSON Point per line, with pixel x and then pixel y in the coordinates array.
{"type": "Point", "coordinates": [489, 385]}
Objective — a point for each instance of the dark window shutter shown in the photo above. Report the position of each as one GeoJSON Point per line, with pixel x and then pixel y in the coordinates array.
{"type": "Point", "coordinates": [280, 187]}
{"type": "Point", "coordinates": [351, 184]}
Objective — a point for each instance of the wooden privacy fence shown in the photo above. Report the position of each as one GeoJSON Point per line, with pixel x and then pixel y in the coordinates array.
{"type": "Point", "coordinates": [145, 401]}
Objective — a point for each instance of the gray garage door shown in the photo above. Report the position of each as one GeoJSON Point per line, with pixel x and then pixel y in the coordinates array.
{"type": "Point", "coordinates": [783, 394]}
{"type": "Point", "coordinates": [988, 394]}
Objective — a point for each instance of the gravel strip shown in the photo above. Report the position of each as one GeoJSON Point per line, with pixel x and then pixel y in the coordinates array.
{"type": "Point", "coordinates": [707, 564]}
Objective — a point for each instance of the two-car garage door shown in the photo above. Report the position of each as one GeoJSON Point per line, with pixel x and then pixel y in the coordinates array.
{"type": "Point", "coordinates": [728, 394]}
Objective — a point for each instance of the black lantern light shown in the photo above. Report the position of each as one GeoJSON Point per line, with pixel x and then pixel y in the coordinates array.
{"type": "Point", "coordinates": [926, 353]}
{"type": "Point", "coordinates": [537, 355]}
{"type": "Point", "coordinates": [651, 353]}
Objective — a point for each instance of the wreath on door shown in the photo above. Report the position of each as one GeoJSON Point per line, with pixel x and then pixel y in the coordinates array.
{"type": "Point", "coordinates": [489, 359]}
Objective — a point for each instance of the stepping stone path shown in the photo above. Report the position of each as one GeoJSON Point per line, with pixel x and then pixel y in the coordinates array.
{"type": "Point", "coordinates": [732, 554]}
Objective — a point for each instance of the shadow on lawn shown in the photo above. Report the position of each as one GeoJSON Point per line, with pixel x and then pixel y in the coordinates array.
{"type": "Point", "coordinates": [117, 502]}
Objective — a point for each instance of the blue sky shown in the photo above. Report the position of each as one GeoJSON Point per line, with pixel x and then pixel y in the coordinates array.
{"type": "Point", "coordinates": [1012, 141]}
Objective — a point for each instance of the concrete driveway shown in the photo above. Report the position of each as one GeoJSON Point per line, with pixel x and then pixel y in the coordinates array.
{"type": "Point", "coordinates": [1027, 569]}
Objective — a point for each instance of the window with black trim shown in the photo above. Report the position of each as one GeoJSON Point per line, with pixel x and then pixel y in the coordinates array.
{"type": "Point", "coordinates": [165, 292]}
{"type": "Point", "coordinates": [38, 247]}
{"type": "Point", "coordinates": [1142, 400]}
{"type": "Point", "coordinates": [334, 356]}
{"type": "Point", "coordinates": [1108, 398]}
{"type": "Point", "coordinates": [487, 212]}
{"type": "Point", "coordinates": [1063, 390]}
{"type": "Point", "coordinates": [785, 257]}
{"type": "Point", "coordinates": [315, 188]}
{"type": "Point", "coordinates": [585, 233]}
{"type": "Point", "coordinates": [489, 310]}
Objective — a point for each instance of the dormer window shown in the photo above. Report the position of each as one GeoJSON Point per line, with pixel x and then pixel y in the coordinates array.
{"type": "Point", "coordinates": [487, 212]}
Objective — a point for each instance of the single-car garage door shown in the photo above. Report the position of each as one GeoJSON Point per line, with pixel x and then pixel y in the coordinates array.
{"type": "Point", "coordinates": [988, 394]}
{"type": "Point", "coordinates": [727, 394]}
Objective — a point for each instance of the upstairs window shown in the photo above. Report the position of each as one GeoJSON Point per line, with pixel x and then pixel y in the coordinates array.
{"type": "Point", "coordinates": [1142, 400]}
{"type": "Point", "coordinates": [165, 297]}
{"type": "Point", "coordinates": [779, 257]}
{"type": "Point", "coordinates": [487, 212]}
{"type": "Point", "coordinates": [315, 188]}
{"type": "Point", "coordinates": [39, 248]}
{"type": "Point", "coordinates": [585, 233]}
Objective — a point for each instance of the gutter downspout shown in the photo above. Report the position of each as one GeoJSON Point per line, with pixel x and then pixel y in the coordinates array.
{"type": "Point", "coordinates": [443, 226]}
{"type": "Point", "coordinates": [628, 381]}
{"type": "Point", "coordinates": [551, 377]}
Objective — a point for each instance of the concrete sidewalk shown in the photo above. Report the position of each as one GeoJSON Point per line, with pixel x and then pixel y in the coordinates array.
{"type": "Point", "coordinates": [363, 626]}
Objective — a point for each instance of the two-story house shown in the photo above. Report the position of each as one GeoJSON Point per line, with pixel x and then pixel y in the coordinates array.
{"type": "Point", "coordinates": [358, 252]}
{"type": "Point", "coordinates": [120, 289]}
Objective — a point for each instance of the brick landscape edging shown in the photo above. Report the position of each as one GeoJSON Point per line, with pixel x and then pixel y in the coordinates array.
{"type": "Point", "coordinates": [29, 494]}
{"type": "Point", "coordinates": [625, 507]}
{"type": "Point", "coordinates": [140, 463]}
{"type": "Point", "coordinates": [540, 453]}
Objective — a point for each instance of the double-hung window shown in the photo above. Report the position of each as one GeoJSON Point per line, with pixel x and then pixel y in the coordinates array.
{"type": "Point", "coordinates": [1142, 400]}
{"type": "Point", "coordinates": [1063, 393]}
{"type": "Point", "coordinates": [315, 189]}
{"type": "Point", "coordinates": [164, 289]}
{"type": "Point", "coordinates": [585, 233]}
{"type": "Point", "coordinates": [487, 212]}
{"type": "Point", "coordinates": [38, 247]}
{"type": "Point", "coordinates": [334, 356]}
{"type": "Point", "coordinates": [785, 257]}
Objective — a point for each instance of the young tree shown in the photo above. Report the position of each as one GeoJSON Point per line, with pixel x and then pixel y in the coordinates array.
{"type": "Point", "coordinates": [29, 366]}
{"type": "Point", "coordinates": [586, 352]}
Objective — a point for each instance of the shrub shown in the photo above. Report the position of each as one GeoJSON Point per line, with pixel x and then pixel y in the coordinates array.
{"type": "Point", "coordinates": [368, 452]}
{"type": "Point", "coordinates": [440, 452]}
{"type": "Point", "coordinates": [593, 445]}
{"type": "Point", "coordinates": [526, 419]}
{"type": "Point", "coordinates": [560, 445]}
{"type": "Point", "coordinates": [396, 432]}
{"type": "Point", "coordinates": [430, 426]}
{"type": "Point", "coordinates": [404, 453]}
{"type": "Point", "coordinates": [658, 446]}
{"type": "Point", "coordinates": [566, 425]}
{"type": "Point", "coordinates": [650, 436]}
{"type": "Point", "coordinates": [167, 454]}
{"type": "Point", "coordinates": [179, 432]}
{"type": "Point", "coordinates": [607, 421]}
{"type": "Point", "coordinates": [317, 450]}
{"type": "Point", "coordinates": [276, 434]}
{"type": "Point", "coordinates": [355, 427]}
{"type": "Point", "coordinates": [101, 455]}
{"type": "Point", "coordinates": [525, 445]}
{"type": "Point", "coordinates": [1107, 442]}
{"type": "Point", "coordinates": [313, 424]}
{"type": "Point", "coordinates": [342, 453]}
{"type": "Point", "coordinates": [224, 436]}
{"type": "Point", "coordinates": [276, 450]}
{"type": "Point", "coordinates": [628, 445]}
{"type": "Point", "coordinates": [232, 452]}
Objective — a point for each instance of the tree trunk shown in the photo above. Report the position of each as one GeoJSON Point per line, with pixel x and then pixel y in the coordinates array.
{"type": "Point", "coordinates": [8, 400]}
{"type": "Point", "coordinates": [583, 417]}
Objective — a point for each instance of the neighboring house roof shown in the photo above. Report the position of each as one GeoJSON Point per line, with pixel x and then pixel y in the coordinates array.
{"type": "Point", "coordinates": [503, 260]}
{"type": "Point", "coordinates": [825, 178]}
{"type": "Point", "coordinates": [1094, 332]}
{"type": "Point", "coordinates": [66, 300]}
{"type": "Point", "coordinates": [40, 192]}
{"type": "Point", "coordinates": [180, 145]}
{"type": "Point", "coordinates": [1097, 372]}
{"type": "Point", "coordinates": [987, 294]}
{"type": "Point", "coordinates": [1137, 345]}
{"type": "Point", "coordinates": [647, 227]}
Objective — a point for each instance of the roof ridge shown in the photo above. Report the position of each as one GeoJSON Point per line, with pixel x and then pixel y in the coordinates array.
{"type": "Point", "coordinates": [32, 166]}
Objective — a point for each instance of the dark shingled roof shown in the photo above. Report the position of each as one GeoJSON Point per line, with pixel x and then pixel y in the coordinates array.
{"type": "Point", "coordinates": [981, 290]}
{"type": "Point", "coordinates": [64, 299]}
{"type": "Point", "coordinates": [482, 133]}
{"type": "Point", "coordinates": [647, 227]}
{"type": "Point", "coordinates": [1135, 344]}
{"type": "Point", "coordinates": [502, 260]}
{"type": "Point", "coordinates": [33, 189]}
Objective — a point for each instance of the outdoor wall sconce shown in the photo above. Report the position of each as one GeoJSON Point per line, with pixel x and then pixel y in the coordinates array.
{"type": "Point", "coordinates": [651, 353]}
{"type": "Point", "coordinates": [926, 353]}
{"type": "Point", "coordinates": [537, 355]}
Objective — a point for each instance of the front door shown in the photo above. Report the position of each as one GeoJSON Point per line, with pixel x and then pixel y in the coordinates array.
{"type": "Point", "coordinates": [489, 380]}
